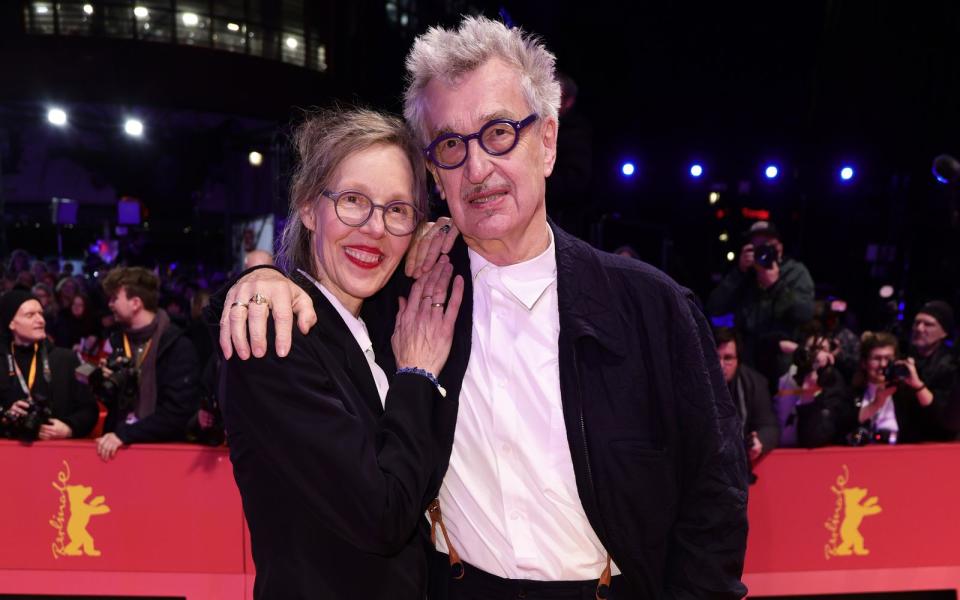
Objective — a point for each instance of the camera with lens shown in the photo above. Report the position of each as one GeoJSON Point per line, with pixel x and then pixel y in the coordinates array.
{"type": "Point", "coordinates": [895, 372]}
{"type": "Point", "coordinates": [765, 255]}
{"type": "Point", "coordinates": [863, 436]}
{"type": "Point", "coordinates": [119, 388]}
{"type": "Point", "coordinates": [806, 357]}
{"type": "Point", "coordinates": [26, 427]}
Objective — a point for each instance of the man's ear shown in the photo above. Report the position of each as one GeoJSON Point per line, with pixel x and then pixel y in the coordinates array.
{"type": "Point", "coordinates": [137, 303]}
{"type": "Point", "coordinates": [435, 174]}
{"type": "Point", "coordinates": [549, 132]}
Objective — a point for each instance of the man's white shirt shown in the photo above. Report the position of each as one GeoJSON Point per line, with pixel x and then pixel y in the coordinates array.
{"type": "Point", "coordinates": [509, 498]}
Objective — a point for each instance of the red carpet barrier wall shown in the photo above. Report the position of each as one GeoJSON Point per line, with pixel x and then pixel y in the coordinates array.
{"type": "Point", "coordinates": [165, 520]}
{"type": "Point", "coordinates": [871, 519]}
{"type": "Point", "coordinates": [158, 520]}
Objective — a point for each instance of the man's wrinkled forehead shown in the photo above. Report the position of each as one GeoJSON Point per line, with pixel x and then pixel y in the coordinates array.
{"type": "Point", "coordinates": [504, 98]}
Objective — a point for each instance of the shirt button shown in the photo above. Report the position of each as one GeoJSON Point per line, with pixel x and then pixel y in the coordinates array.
{"type": "Point", "coordinates": [506, 448]}
{"type": "Point", "coordinates": [514, 516]}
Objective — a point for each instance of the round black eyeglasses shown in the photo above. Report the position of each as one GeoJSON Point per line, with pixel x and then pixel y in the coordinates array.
{"type": "Point", "coordinates": [496, 137]}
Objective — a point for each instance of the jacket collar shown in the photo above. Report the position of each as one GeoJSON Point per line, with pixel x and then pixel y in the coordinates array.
{"type": "Point", "coordinates": [330, 330]}
{"type": "Point", "coordinates": [587, 300]}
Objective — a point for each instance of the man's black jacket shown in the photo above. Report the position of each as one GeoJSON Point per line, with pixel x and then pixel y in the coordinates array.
{"type": "Point", "coordinates": [751, 393]}
{"type": "Point", "coordinates": [178, 392]}
{"type": "Point", "coordinates": [655, 440]}
{"type": "Point", "coordinates": [940, 373]}
{"type": "Point", "coordinates": [69, 400]}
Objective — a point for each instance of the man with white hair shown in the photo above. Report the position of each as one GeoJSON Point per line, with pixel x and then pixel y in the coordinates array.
{"type": "Point", "coordinates": [597, 450]}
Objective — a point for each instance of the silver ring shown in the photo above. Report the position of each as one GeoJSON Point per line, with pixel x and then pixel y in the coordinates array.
{"type": "Point", "coordinates": [426, 297]}
{"type": "Point", "coordinates": [437, 304]}
{"type": "Point", "coordinates": [241, 304]}
{"type": "Point", "coordinates": [259, 299]}
{"type": "Point", "coordinates": [445, 228]}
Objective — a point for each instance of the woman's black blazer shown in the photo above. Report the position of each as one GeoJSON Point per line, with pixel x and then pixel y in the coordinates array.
{"type": "Point", "coordinates": [334, 486]}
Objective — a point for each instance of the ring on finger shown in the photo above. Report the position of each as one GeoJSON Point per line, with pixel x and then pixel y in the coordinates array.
{"type": "Point", "coordinates": [437, 304]}
{"type": "Point", "coordinates": [426, 297]}
{"type": "Point", "coordinates": [240, 304]}
{"type": "Point", "coordinates": [259, 299]}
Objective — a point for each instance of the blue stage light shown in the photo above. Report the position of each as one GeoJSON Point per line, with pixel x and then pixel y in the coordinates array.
{"type": "Point", "coordinates": [847, 173]}
{"type": "Point", "coordinates": [628, 169]}
{"type": "Point", "coordinates": [696, 170]}
{"type": "Point", "coordinates": [771, 171]}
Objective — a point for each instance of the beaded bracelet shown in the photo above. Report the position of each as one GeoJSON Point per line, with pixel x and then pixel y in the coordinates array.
{"type": "Point", "coordinates": [424, 373]}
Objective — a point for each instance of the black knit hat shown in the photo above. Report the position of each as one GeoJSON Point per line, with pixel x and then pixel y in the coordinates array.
{"type": "Point", "coordinates": [10, 303]}
{"type": "Point", "coordinates": [941, 311]}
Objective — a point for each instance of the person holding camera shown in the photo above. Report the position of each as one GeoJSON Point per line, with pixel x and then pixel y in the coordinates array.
{"type": "Point", "coordinates": [770, 296]}
{"type": "Point", "coordinates": [928, 375]}
{"type": "Point", "coordinates": [150, 380]}
{"type": "Point", "coordinates": [874, 390]}
{"type": "Point", "coordinates": [812, 403]}
{"type": "Point", "coordinates": [39, 395]}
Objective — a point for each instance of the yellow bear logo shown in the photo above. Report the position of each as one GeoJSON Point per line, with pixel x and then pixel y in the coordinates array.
{"type": "Point", "coordinates": [81, 542]}
{"type": "Point", "coordinates": [854, 513]}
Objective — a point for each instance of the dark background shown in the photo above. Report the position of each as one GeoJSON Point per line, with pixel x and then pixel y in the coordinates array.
{"type": "Point", "coordinates": [810, 85]}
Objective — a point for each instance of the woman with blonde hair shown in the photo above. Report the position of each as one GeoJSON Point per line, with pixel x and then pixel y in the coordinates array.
{"type": "Point", "coordinates": [338, 447]}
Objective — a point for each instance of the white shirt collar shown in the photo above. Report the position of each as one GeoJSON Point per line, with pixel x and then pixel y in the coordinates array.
{"type": "Point", "coordinates": [526, 281]}
{"type": "Point", "coordinates": [354, 324]}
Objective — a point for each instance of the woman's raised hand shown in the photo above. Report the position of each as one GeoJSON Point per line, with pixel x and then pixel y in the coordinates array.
{"type": "Point", "coordinates": [424, 329]}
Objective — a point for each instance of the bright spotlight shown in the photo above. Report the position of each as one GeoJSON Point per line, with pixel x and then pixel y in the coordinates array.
{"type": "Point", "coordinates": [292, 42]}
{"type": "Point", "coordinates": [886, 291]}
{"type": "Point", "coordinates": [141, 12]}
{"type": "Point", "coordinates": [133, 127]}
{"type": "Point", "coordinates": [190, 19]}
{"type": "Point", "coordinates": [724, 237]}
{"type": "Point", "coordinates": [88, 9]}
{"type": "Point", "coordinates": [847, 173]}
{"type": "Point", "coordinates": [628, 169]}
{"type": "Point", "coordinates": [696, 170]}
{"type": "Point", "coordinates": [730, 256]}
{"type": "Point", "coordinates": [42, 9]}
{"type": "Point", "coordinates": [233, 27]}
{"type": "Point", "coordinates": [57, 116]}
{"type": "Point", "coordinates": [714, 197]}
{"type": "Point", "coordinates": [255, 158]}
{"type": "Point", "coordinates": [771, 171]}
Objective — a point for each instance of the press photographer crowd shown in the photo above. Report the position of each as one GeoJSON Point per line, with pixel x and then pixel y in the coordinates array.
{"type": "Point", "coordinates": [122, 356]}
{"type": "Point", "coordinates": [112, 355]}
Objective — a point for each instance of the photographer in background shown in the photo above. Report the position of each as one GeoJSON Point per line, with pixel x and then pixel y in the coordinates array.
{"type": "Point", "coordinates": [874, 387]}
{"type": "Point", "coordinates": [150, 381]}
{"type": "Point", "coordinates": [812, 403]}
{"type": "Point", "coordinates": [930, 373]}
{"type": "Point", "coordinates": [770, 297]}
{"type": "Point", "coordinates": [751, 396]}
{"type": "Point", "coordinates": [39, 396]}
